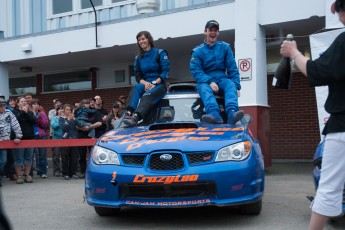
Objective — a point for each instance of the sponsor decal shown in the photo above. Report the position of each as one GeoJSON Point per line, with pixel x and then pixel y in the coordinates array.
{"type": "Point", "coordinates": [168, 203]}
{"type": "Point", "coordinates": [237, 187]}
{"type": "Point", "coordinates": [101, 190]}
{"type": "Point", "coordinates": [165, 179]}
{"type": "Point", "coordinates": [138, 140]}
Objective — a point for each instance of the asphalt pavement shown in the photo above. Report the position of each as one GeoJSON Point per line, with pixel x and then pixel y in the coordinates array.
{"type": "Point", "coordinates": [55, 203]}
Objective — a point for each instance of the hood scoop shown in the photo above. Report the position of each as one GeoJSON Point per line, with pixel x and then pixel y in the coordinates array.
{"type": "Point", "coordinates": [173, 126]}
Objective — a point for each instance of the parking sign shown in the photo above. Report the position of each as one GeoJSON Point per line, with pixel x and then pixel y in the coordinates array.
{"type": "Point", "coordinates": [245, 69]}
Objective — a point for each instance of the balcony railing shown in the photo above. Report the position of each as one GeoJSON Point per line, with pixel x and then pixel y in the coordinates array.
{"type": "Point", "coordinates": [120, 10]}
{"type": "Point", "coordinates": [40, 18]}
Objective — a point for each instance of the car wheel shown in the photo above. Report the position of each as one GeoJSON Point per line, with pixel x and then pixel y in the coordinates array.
{"type": "Point", "coordinates": [252, 208]}
{"type": "Point", "coordinates": [107, 211]}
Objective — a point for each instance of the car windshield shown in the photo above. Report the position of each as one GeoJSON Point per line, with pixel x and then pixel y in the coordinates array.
{"type": "Point", "coordinates": [177, 109]}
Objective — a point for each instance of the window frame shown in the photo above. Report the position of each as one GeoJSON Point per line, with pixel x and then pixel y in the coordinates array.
{"type": "Point", "coordinates": [62, 72]}
{"type": "Point", "coordinates": [23, 76]}
{"type": "Point", "coordinates": [76, 7]}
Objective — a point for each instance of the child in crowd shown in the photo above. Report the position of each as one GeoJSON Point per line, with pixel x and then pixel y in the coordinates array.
{"type": "Point", "coordinates": [82, 114]}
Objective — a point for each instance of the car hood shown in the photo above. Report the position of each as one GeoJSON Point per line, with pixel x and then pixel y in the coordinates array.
{"type": "Point", "coordinates": [172, 136]}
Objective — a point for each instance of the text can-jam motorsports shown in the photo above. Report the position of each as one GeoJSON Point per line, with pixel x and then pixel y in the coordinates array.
{"type": "Point", "coordinates": [171, 159]}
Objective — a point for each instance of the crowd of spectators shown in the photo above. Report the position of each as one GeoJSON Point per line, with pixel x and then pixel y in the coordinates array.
{"type": "Point", "coordinates": [27, 120]}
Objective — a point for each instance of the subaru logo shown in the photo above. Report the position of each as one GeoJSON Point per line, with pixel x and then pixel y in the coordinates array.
{"type": "Point", "coordinates": [165, 157]}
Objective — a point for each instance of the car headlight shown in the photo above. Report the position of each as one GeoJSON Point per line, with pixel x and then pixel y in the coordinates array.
{"type": "Point", "coordinates": [102, 156]}
{"type": "Point", "coordinates": [235, 152]}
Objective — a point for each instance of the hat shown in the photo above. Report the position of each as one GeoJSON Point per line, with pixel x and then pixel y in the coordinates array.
{"type": "Point", "coordinates": [10, 99]}
{"type": "Point", "coordinates": [116, 105]}
{"type": "Point", "coordinates": [212, 23]}
{"type": "Point", "coordinates": [2, 96]}
{"type": "Point", "coordinates": [56, 100]}
{"type": "Point", "coordinates": [2, 102]}
{"type": "Point", "coordinates": [122, 97]}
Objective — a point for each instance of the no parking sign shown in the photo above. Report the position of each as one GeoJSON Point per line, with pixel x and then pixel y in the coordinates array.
{"type": "Point", "coordinates": [245, 69]}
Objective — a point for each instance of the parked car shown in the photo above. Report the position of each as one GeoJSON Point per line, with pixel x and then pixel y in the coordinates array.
{"type": "Point", "coordinates": [172, 159]}
{"type": "Point", "coordinates": [317, 161]}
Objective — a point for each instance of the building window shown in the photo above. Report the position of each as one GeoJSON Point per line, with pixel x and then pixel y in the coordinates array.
{"type": "Point", "coordinates": [132, 80]}
{"type": "Point", "coordinates": [67, 81]}
{"type": "Point", "coordinates": [120, 76]}
{"type": "Point", "coordinates": [115, 1]}
{"type": "Point", "coordinates": [62, 6]}
{"type": "Point", "coordinates": [22, 85]}
{"type": "Point", "coordinates": [86, 3]}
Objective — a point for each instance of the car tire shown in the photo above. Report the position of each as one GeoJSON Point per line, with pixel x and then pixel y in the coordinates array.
{"type": "Point", "coordinates": [101, 211]}
{"type": "Point", "coordinates": [252, 208]}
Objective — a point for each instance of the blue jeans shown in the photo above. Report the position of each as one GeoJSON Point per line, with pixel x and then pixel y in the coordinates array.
{"type": "Point", "coordinates": [91, 132]}
{"type": "Point", "coordinates": [23, 156]}
{"type": "Point", "coordinates": [3, 159]}
{"type": "Point", "coordinates": [41, 159]}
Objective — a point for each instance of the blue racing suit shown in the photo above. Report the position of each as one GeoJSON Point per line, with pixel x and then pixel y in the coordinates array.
{"type": "Point", "coordinates": [216, 63]}
{"type": "Point", "coordinates": [151, 65]}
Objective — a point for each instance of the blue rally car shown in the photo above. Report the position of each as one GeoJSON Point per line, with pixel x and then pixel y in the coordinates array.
{"type": "Point", "coordinates": [173, 160]}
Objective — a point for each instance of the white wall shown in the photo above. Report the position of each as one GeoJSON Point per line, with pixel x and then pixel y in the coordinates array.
{"type": "Point", "coordinates": [106, 76]}
{"type": "Point", "coordinates": [276, 11]}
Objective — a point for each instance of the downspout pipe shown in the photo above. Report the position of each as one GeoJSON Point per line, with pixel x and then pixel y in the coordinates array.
{"type": "Point", "coordinates": [96, 23]}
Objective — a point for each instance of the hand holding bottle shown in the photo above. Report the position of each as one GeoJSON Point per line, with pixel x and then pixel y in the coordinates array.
{"type": "Point", "coordinates": [282, 76]}
{"type": "Point", "coordinates": [289, 49]}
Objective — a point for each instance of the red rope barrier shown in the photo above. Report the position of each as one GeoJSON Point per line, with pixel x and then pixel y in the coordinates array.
{"type": "Point", "coordinates": [48, 143]}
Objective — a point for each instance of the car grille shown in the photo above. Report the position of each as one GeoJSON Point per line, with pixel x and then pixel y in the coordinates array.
{"type": "Point", "coordinates": [177, 162]}
{"type": "Point", "coordinates": [156, 163]}
{"type": "Point", "coordinates": [134, 159]}
{"type": "Point", "coordinates": [180, 190]}
{"type": "Point", "coordinates": [195, 158]}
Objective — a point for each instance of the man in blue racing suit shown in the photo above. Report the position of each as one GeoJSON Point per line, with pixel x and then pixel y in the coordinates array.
{"type": "Point", "coordinates": [214, 68]}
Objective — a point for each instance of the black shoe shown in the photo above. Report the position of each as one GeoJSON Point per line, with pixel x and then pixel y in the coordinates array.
{"type": "Point", "coordinates": [82, 176]}
{"type": "Point", "coordinates": [211, 119]}
{"type": "Point", "coordinates": [235, 117]}
{"type": "Point", "coordinates": [131, 121]}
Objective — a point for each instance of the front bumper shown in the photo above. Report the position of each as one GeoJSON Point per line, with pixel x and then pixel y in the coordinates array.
{"type": "Point", "coordinates": [220, 184]}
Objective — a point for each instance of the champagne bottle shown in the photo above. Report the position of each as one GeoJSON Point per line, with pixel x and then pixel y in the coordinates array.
{"type": "Point", "coordinates": [283, 74]}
